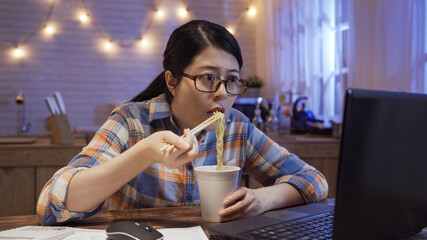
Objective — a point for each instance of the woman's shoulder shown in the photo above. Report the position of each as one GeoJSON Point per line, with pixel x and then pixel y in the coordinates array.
{"type": "Point", "coordinates": [236, 116]}
{"type": "Point", "coordinates": [135, 108]}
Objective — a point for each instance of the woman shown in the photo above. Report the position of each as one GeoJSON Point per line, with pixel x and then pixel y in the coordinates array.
{"type": "Point", "coordinates": [123, 167]}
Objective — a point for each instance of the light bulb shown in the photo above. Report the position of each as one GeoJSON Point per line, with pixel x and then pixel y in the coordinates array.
{"type": "Point", "coordinates": [18, 52]}
{"type": "Point", "coordinates": [182, 12]}
{"type": "Point", "coordinates": [84, 17]}
{"type": "Point", "coordinates": [160, 13]}
{"type": "Point", "coordinates": [251, 11]}
{"type": "Point", "coordinates": [144, 42]}
{"type": "Point", "coordinates": [49, 29]}
{"type": "Point", "coordinates": [108, 45]}
{"type": "Point", "coordinates": [231, 30]}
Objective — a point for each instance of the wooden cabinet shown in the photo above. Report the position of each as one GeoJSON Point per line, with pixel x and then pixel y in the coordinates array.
{"type": "Point", "coordinates": [25, 168]}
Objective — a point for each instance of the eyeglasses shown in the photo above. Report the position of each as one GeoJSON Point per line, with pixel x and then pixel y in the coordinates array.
{"type": "Point", "coordinates": [210, 83]}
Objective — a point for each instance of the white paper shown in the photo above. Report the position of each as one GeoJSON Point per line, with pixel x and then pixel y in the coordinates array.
{"type": "Point", "coordinates": [190, 233]}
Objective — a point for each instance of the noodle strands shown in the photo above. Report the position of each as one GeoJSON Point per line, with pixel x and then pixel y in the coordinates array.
{"type": "Point", "coordinates": [220, 122]}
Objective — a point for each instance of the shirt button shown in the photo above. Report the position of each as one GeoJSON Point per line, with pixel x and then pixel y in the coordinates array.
{"type": "Point", "coordinates": [189, 167]}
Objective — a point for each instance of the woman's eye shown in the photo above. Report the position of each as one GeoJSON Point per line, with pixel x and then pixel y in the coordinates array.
{"type": "Point", "coordinates": [209, 77]}
{"type": "Point", "coordinates": [233, 78]}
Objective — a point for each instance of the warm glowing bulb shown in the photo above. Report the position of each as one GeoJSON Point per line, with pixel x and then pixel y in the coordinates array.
{"type": "Point", "coordinates": [252, 11]}
{"type": "Point", "coordinates": [18, 52]}
{"type": "Point", "coordinates": [182, 12]}
{"type": "Point", "coordinates": [49, 29]}
{"type": "Point", "coordinates": [84, 17]}
{"type": "Point", "coordinates": [230, 30]}
{"type": "Point", "coordinates": [144, 42]}
{"type": "Point", "coordinates": [160, 13]}
{"type": "Point", "coordinates": [108, 45]}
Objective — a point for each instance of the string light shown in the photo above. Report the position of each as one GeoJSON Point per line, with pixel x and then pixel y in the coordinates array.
{"type": "Point", "coordinates": [231, 30]}
{"type": "Point", "coordinates": [160, 13]}
{"type": "Point", "coordinates": [17, 52]}
{"type": "Point", "coordinates": [251, 11]}
{"type": "Point", "coordinates": [84, 17]}
{"type": "Point", "coordinates": [143, 42]}
{"type": "Point", "coordinates": [49, 29]}
{"type": "Point", "coordinates": [108, 45]}
{"type": "Point", "coordinates": [182, 12]}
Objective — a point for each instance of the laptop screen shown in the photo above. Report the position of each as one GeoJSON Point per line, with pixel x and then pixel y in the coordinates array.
{"type": "Point", "coordinates": [382, 186]}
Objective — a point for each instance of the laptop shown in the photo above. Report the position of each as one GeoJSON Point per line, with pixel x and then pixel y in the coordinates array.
{"type": "Point", "coordinates": [382, 178]}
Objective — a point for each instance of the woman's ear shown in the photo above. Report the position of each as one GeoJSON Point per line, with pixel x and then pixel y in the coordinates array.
{"type": "Point", "coordinates": [171, 81]}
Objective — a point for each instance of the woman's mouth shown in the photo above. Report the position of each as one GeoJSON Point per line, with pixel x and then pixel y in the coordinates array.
{"type": "Point", "coordinates": [219, 109]}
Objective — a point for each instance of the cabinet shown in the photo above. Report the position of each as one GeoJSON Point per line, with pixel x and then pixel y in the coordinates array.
{"type": "Point", "coordinates": [319, 152]}
{"type": "Point", "coordinates": [25, 168]}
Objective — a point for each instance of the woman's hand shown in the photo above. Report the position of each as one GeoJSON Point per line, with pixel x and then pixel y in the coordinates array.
{"type": "Point", "coordinates": [245, 202]}
{"type": "Point", "coordinates": [185, 150]}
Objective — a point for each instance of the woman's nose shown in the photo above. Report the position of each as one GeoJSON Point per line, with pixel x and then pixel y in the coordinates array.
{"type": "Point", "coordinates": [221, 92]}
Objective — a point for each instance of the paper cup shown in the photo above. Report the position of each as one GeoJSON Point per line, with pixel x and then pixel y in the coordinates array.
{"type": "Point", "coordinates": [213, 187]}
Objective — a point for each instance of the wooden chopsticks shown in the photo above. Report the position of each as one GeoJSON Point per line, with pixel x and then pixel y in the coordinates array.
{"type": "Point", "coordinates": [195, 130]}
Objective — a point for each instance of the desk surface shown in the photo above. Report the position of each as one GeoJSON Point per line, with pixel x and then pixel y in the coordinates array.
{"type": "Point", "coordinates": [168, 217]}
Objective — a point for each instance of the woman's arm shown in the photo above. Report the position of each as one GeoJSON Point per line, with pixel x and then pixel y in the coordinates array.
{"type": "Point", "coordinates": [90, 187]}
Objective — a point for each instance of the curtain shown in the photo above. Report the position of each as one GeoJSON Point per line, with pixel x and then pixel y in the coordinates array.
{"type": "Point", "coordinates": [383, 53]}
{"type": "Point", "coordinates": [292, 37]}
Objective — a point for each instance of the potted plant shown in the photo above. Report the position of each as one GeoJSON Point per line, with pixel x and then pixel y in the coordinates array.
{"type": "Point", "coordinates": [254, 85]}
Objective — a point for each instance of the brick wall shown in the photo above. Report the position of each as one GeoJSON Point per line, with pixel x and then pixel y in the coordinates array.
{"type": "Point", "coordinates": [74, 62]}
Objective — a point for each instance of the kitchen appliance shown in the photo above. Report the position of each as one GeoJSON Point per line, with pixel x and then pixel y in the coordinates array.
{"type": "Point", "coordinates": [304, 121]}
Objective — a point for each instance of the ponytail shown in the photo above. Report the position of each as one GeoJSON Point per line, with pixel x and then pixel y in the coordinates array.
{"type": "Point", "coordinates": [157, 86]}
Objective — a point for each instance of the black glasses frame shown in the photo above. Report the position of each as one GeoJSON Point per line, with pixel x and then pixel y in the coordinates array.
{"type": "Point", "coordinates": [194, 77]}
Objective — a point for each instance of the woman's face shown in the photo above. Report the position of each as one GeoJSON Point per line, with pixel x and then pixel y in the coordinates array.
{"type": "Point", "coordinates": [191, 107]}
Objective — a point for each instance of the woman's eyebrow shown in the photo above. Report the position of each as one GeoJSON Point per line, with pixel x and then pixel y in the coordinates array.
{"type": "Point", "coordinates": [215, 68]}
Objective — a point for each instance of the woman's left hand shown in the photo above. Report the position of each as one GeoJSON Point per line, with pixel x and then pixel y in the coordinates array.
{"type": "Point", "coordinates": [243, 202]}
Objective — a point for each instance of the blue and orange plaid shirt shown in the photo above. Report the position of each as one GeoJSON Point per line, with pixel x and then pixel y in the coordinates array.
{"type": "Point", "coordinates": [157, 186]}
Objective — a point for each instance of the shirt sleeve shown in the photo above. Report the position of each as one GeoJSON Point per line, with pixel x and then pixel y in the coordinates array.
{"type": "Point", "coordinates": [270, 164]}
{"type": "Point", "coordinates": [109, 141]}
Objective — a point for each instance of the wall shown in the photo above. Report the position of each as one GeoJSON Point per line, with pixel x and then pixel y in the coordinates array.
{"type": "Point", "coordinates": [74, 62]}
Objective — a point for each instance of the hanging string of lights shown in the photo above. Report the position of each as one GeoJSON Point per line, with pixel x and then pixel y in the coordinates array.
{"type": "Point", "coordinates": [85, 17]}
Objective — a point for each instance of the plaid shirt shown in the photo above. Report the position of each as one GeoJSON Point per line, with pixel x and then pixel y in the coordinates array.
{"type": "Point", "coordinates": [157, 186]}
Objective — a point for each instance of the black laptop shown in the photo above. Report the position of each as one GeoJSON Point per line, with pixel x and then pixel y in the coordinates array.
{"type": "Point", "coordinates": [382, 178]}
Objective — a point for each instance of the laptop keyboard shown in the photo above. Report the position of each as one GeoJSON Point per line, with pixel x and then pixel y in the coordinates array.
{"type": "Point", "coordinates": [316, 227]}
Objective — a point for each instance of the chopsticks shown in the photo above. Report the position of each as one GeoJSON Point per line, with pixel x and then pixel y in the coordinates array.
{"type": "Point", "coordinates": [195, 130]}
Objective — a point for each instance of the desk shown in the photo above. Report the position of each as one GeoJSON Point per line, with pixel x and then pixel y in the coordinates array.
{"type": "Point", "coordinates": [169, 217]}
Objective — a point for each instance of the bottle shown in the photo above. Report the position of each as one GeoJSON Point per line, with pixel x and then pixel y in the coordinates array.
{"type": "Point", "coordinates": [257, 119]}
{"type": "Point", "coordinates": [272, 123]}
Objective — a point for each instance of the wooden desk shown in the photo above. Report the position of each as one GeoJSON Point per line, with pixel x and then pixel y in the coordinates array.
{"type": "Point", "coordinates": [169, 217]}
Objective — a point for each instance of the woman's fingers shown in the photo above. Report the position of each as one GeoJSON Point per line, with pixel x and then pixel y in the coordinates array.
{"type": "Point", "coordinates": [243, 202]}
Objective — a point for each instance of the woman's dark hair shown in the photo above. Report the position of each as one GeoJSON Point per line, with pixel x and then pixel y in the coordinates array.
{"type": "Point", "coordinates": [185, 43]}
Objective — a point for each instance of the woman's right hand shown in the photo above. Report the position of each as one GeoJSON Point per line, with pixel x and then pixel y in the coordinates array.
{"type": "Point", "coordinates": [185, 150]}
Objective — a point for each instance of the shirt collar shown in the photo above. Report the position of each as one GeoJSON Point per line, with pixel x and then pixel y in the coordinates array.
{"type": "Point", "coordinates": [159, 108]}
